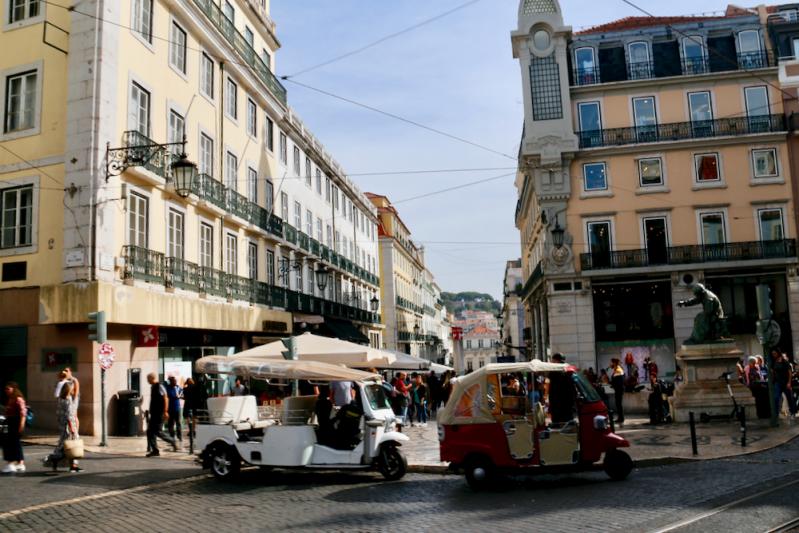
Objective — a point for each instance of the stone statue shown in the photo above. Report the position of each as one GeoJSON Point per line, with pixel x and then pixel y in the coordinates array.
{"type": "Point", "coordinates": [709, 324]}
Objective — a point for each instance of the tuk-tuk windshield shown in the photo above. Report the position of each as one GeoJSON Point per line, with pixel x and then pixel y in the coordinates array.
{"type": "Point", "coordinates": [585, 389]}
{"type": "Point", "coordinates": [376, 396]}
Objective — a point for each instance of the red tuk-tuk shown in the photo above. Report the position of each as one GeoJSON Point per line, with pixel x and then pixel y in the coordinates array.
{"type": "Point", "coordinates": [487, 429]}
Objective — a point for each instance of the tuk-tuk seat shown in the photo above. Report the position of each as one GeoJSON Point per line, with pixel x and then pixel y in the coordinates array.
{"type": "Point", "coordinates": [298, 410]}
{"type": "Point", "coordinates": [241, 412]}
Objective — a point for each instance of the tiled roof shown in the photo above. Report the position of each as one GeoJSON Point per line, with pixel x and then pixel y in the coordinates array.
{"type": "Point", "coordinates": [632, 23]}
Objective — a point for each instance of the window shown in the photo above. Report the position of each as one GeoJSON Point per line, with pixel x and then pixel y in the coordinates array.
{"type": "Point", "coordinates": [269, 194]}
{"type": "Point", "coordinates": [177, 48]}
{"type": "Point", "coordinates": [298, 278]}
{"type": "Point", "coordinates": [139, 110]}
{"type": "Point", "coordinates": [138, 220]}
{"type": "Point", "coordinates": [310, 280]}
{"type": "Point", "coordinates": [231, 254]}
{"type": "Point", "coordinates": [586, 70]}
{"type": "Point", "coordinates": [270, 267]}
{"type": "Point", "coordinates": [336, 204]}
{"type": "Point", "coordinates": [176, 131]}
{"type": "Point", "coordinates": [639, 64]}
{"type": "Point", "coordinates": [318, 182]}
{"type": "Point", "coordinates": [252, 118]}
{"type": "Point", "coordinates": [319, 229]}
{"type": "Point", "coordinates": [296, 161]}
{"type": "Point", "coordinates": [645, 118]}
{"type": "Point", "coordinates": [765, 163]}
{"type": "Point", "coordinates": [650, 172]}
{"type": "Point", "coordinates": [206, 245]}
{"type": "Point", "coordinates": [143, 19]}
{"type": "Point", "coordinates": [469, 347]}
{"type": "Point", "coordinates": [228, 11]}
{"type": "Point", "coordinates": [23, 9]}
{"type": "Point", "coordinates": [309, 223]}
{"type": "Point", "coordinates": [590, 124]}
{"type": "Point", "coordinates": [252, 185]}
{"type": "Point", "coordinates": [713, 231]}
{"type": "Point", "coordinates": [693, 53]}
{"type": "Point", "coordinates": [174, 234]}
{"type": "Point", "coordinates": [266, 57]}
{"type": "Point", "coordinates": [232, 99]}
{"type": "Point", "coordinates": [595, 177]}
{"type": "Point", "coordinates": [284, 149]}
{"type": "Point", "coordinates": [20, 104]}
{"type": "Point", "coordinates": [795, 47]}
{"type": "Point", "coordinates": [699, 104]}
{"type": "Point", "coordinates": [270, 134]}
{"type": "Point", "coordinates": [16, 224]}
{"type": "Point", "coordinates": [757, 108]}
{"type": "Point", "coordinates": [545, 87]}
{"type": "Point", "coordinates": [599, 242]}
{"type": "Point", "coordinates": [308, 174]}
{"type": "Point", "coordinates": [252, 260]}
{"type": "Point", "coordinates": [707, 167]}
{"type": "Point", "coordinates": [206, 154]}
{"type": "Point", "coordinates": [337, 242]}
{"type": "Point", "coordinates": [327, 189]}
{"type": "Point", "coordinates": [249, 36]}
{"type": "Point", "coordinates": [285, 271]}
{"type": "Point", "coordinates": [749, 54]}
{"type": "Point", "coordinates": [207, 75]}
{"type": "Point", "coordinates": [231, 171]}
{"type": "Point", "coordinates": [298, 216]}
{"type": "Point", "coordinates": [284, 206]}
{"type": "Point", "coordinates": [771, 228]}
{"type": "Point", "coordinates": [329, 240]}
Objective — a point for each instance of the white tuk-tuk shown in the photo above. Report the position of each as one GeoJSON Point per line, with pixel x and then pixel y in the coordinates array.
{"type": "Point", "coordinates": [303, 431]}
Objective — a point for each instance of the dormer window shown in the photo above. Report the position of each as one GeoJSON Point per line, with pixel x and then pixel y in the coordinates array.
{"type": "Point", "coordinates": [693, 55]}
{"type": "Point", "coordinates": [749, 50]}
{"type": "Point", "coordinates": [586, 71]}
{"type": "Point", "coordinates": [639, 64]}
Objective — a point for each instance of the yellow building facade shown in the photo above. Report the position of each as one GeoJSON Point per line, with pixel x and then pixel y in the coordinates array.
{"type": "Point", "coordinates": [269, 239]}
{"type": "Point", "coordinates": [655, 155]}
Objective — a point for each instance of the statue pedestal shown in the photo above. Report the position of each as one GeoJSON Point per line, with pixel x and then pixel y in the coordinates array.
{"type": "Point", "coordinates": [703, 391]}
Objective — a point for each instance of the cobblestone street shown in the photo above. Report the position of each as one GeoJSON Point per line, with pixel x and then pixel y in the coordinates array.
{"type": "Point", "coordinates": [124, 494]}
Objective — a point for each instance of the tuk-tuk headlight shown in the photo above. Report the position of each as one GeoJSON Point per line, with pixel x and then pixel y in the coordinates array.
{"type": "Point", "coordinates": [601, 422]}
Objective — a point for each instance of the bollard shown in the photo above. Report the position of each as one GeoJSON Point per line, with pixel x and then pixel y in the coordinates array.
{"type": "Point", "coordinates": [692, 424]}
{"type": "Point", "coordinates": [742, 419]}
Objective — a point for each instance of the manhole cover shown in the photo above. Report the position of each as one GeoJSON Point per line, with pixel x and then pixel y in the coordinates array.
{"type": "Point", "coordinates": [230, 509]}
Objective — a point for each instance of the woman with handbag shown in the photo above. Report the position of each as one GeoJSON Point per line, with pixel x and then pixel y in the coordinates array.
{"type": "Point", "coordinates": [16, 411]}
{"type": "Point", "coordinates": [69, 446]}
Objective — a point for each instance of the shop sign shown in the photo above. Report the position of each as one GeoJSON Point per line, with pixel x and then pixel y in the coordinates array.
{"type": "Point", "coordinates": [146, 336]}
{"type": "Point", "coordinates": [274, 326]}
{"type": "Point", "coordinates": [55, 359]}
{"type": "Point", "coordinates": [457, 333]}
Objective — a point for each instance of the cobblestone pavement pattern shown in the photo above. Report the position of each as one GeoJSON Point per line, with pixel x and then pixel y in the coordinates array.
{"type": "Point", "coordinates": [651, 498]}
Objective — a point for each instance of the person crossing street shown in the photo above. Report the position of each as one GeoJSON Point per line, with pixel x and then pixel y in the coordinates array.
{"type": "Point", "coordinates": [158, 413]}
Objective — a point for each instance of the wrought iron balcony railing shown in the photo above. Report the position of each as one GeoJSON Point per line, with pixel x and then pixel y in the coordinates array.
{"type": "Point", "coordinates": [210, 190]}
{"type": "Point", "coordinates": [290, 233]}
{"type": "Point", "coordinates": [644, 70]}
{"type": "Point", "coordinates": [182, 274]}
{"type": "Point", "coordinates": [142, 263]}
{"type": "Point", "coordinates": [686, 255]}
{"type": "Point", "coordinates": [680, 131]}
{"type": "Point", "coordinates": [242, 47]}
{"type": "Point", "coordinates": [304, 241]}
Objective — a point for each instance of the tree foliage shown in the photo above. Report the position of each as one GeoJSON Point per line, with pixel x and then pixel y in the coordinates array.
{"type": "Point", "coordinates": [475, 301]}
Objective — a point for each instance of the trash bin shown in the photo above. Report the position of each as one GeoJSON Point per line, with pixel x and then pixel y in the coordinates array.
{"type": "Point", "coordinates": [127, 420]}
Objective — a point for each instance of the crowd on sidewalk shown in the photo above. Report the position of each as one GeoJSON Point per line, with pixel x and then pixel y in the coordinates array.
{"type": "Point", "coordinates": [754, 373]}
{"type": "Point", "coordinates": [418, 395]}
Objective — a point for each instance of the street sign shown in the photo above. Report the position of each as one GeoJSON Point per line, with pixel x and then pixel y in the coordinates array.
{"type": "Point", "coordinates": [105, 355]}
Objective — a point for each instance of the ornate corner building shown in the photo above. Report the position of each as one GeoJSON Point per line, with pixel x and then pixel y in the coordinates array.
{"type": "Point", "coordinates": [656, 152]}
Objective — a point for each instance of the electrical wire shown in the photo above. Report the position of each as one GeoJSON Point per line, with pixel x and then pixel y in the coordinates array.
{"type": "Point", "coordinates": [382, 39]}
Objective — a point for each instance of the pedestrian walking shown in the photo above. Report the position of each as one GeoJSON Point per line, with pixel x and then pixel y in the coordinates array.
{"type": "Point", "coordinates": [419, 392]}
{"type": "Point", "coordinates": [16, 411]}
{"type": "Point", "coordinates": [617, 382]}
{"type": "Point", "coordinates": [173, 394]}
{"type": "Point", "coordinates": [434, 386]}
{"type": "Point", "coordinates": [782, 382]}
{"type": "Point", "coordinates": [158, 413]}
{"type": "Point", "coordinates": [67, 418]}
{"type": "Point", "coordinates": [403, 395]}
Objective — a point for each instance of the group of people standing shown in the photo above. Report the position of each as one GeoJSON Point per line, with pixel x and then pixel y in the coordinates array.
{"type": "Point", "coordinates": [754, 374]}
{"type": "Point", "coordinates": [419, 395]}
{"type": "Point", "coordinates": [167, 404]}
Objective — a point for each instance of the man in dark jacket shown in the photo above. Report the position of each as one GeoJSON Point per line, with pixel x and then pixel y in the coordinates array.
{"type": "Point", "coordinates": [158, 413]}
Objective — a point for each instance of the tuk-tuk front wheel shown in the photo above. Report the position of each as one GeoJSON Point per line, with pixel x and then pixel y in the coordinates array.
{"type": "Point", "coordinates": [617, 464]}
{"type": "Point", "coordinates": [392, 463]}
{"type": "Point", "coordinates": [224, 461]}
{"type": "Point", "coordinates": [479, 473]}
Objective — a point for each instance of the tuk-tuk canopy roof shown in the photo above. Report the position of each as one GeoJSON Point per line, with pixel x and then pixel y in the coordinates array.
{"type": "Point", "coordinates": [473, 394]}
{"type": "Point", "coordinates": [269, 368]}
{"type": "Point", "coordinates": [312, 347]}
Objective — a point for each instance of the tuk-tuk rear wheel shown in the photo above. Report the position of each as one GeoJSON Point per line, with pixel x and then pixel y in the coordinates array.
{"type": "Point", "coordinates": [392, 463]}
{"type": "Point", "coordinates": [225, 462]}
{"type": "Point", "coordinates": [479, 473]}
{"type": "Point", "coordinates": [617, 464]}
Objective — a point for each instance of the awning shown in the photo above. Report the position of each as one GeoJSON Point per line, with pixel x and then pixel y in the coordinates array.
{"type": "Point", "coordinates": [345, 330]}
{"type": "Point", "coordinates": [308, 319]}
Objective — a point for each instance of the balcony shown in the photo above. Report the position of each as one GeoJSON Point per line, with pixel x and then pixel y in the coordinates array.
{"type": "Point", "coordinates": [209, 190]}
{"type": "Point", "coordinates": [290, 233]}
{"type": "Point", "coordinates": [182, 274]}
{"type": "Point", "coordinates": [147, 153]}
{"type": "Point", "coordinates": [142, 263]}
{"type": "Point", "coordinates": [645, 70]}
{"type": "Point", "coordinates": [688, 255]}
{"type": "Point", "coordinates": [682, 131]}
{"type": "Point", "coordinates": [304, 241]}
{"type": "Point", "coordinates": [239, 205]}
{"type": "Point", "coordinates": [242, 47]}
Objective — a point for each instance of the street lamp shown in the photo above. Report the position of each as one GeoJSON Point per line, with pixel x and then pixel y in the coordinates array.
{"type": "Point", "coordinates": [184, 172]}
{"type": "Point", "coordinates": [557, 234]}
{"type": "Point", "coordinates": [322, 275]}
{"type": "Point", "coordinates": [374, 303]}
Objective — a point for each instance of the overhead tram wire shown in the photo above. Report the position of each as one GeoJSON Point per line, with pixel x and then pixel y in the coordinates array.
{"type": "Point", "coordinates": [382, 39]}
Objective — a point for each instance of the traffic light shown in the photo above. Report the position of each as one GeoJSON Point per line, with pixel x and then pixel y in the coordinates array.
{"type": "Point", "coordinates": [290, 353]}
{"type": "Point", "coordinates": [763, 293]}
{"type": "Point", "coordinates": [98, 330]}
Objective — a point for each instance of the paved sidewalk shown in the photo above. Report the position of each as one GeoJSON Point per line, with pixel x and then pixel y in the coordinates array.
{"type": "Point", "coordinates": [649, 444]}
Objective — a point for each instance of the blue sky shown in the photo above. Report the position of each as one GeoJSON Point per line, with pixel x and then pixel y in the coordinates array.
{"type": "Point", "coordinates": [456, 74]}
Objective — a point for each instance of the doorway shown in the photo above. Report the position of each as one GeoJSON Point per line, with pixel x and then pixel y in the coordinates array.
{"type": "Point", "coordinates": [657, 241]}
